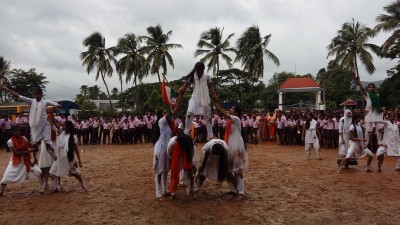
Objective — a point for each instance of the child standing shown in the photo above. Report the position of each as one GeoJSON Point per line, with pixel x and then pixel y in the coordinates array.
{"type": "Point", "coordinates": [66, 163]}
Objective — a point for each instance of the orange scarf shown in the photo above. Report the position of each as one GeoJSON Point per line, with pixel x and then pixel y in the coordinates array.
{"type": "Point", "coordinates": [20, 144]}
{"type": "Point", "coordinates": [187, 165]}
{"type": "Point", "coordinates": [228, 130]}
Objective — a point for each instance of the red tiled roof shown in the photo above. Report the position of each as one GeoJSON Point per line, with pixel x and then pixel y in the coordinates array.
{"type": "Point", "coordinates": [299, 82]}
{"type": "Point", "coordinates": [348, 102]}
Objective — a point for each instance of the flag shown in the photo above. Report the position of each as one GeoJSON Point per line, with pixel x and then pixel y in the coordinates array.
{"type": "Point", "coordinates": [168, 94]}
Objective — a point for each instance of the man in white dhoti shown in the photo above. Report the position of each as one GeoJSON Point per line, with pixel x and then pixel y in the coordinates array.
{"type": "Point", "coordinates": [199, 103]}
{"type": "Point", "coordinates": [390, 143]}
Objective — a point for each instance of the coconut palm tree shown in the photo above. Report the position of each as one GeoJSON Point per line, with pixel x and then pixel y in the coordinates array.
{"type": "Point", "coordinates": [84, 91]}
{"type": "Point", "coordinates": [350, 45]}
{"type": "Point", "coordinates": [212, 45]}
{"type": "Point", "coordinates": [251, 50]}
{"type": "Point", "coordinates": [132, 62]}
{"type": "Point", "coordinates": [4, 72]}
{"type": "Point", "coordinates": [390, 22]}
{"type": "Point", "coordinates": [98, 58]}
{"type": "Point", "coordinates": [157, 50]}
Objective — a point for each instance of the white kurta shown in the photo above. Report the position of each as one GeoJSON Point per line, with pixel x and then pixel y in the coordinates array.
{"type": "Point", "coordinates": [62, 166]}
{"type": "Point", "coordinates": [357, 147]}
{"type": "Point", "coordinates": [45, 159]}
{"type": "Point", "coordinates": [43, 128]}
{"type": "Point", "coordinates": [310, 136]}
{"type": "Point", "coordinates": [237, 154]}
{"type": "Point", "coordinates": [194, 106]}
{"type": "Point", "coordinates": [161, 162]}
{"type": "Point", "coordinates": [391, 138]}
{"type": "Point", "coordinates": [18, 173]}
{"type": "Point", "coordinates": [210, 169]}
{"type": "Point", "coordinates": [371, 116]}
{"type": "Point", "coordinates": [344, 125]}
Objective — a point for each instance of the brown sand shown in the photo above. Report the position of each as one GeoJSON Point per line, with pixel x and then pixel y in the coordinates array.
{"type": "Point", "coordinates": [282, 187]}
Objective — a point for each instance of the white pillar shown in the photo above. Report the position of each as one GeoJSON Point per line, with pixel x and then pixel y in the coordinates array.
{"type": "Point", "coordinates": [280, 101]}
{"type": "Point", "coordinates": [317, 100]}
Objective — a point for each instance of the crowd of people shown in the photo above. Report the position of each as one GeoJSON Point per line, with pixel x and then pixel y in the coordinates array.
{"type": "Point", "coordinates": [53, 140]}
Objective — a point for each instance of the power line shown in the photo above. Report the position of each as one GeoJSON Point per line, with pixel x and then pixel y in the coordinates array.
{"type": "Point", "coordinates": [64, 87]}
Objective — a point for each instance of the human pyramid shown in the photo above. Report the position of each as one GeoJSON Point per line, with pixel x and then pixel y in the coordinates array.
{"type": "Point", "coordinates": [57, 155]}
{"type": "Point", "coordinates": [223, 157]}
{"type": "Point", "coordinates": [174, 150]}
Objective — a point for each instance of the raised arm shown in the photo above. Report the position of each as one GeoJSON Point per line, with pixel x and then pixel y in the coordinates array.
{"type": "Point", "coordinates": [213, 93]}
{"type": "Point", "coordinates": [222, 111]}
{"type": "Point", "coordinates": [361, 87]}
{"type": "Point", "coordinates": [13, 93]}
{"type": "Point", "coordinates": [181, 91]}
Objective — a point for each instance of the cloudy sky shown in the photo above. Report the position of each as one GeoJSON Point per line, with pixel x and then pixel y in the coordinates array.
{"type": "Point", "coordinates": [47, 34]}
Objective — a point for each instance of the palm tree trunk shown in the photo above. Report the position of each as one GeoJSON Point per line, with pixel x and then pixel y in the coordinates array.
{"type": "Point", "coordinates": [356, 68]}
{"type": "Point", "coordinates": [122, 105]}
{"type": "Point", "coordinates": [158, 74]}
{"type": "Point", "coordinates": [357, 75]}
{"type": "Point", "coordinates": [217, 73]}
{"type": "Point", "coordinates": [108, 93]}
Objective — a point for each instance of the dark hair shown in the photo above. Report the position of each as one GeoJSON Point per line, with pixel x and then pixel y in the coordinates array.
{"type": "Point", "coordinates": [354, 123]}
{"type": "Point", "coordinates": [307, 124]}
{"type": "Point", "coordinates": [218, 149]}
{"type": "Point", "coordinates": [186, 142]}
{"type": "Point", "coordinates": [371, 84]}
{"type": "Point", "coordinates": [156, 133]}
{"type": "Point", "coordinates": [238, 110]}
{"type": "Point", "coordinates": [14, 128]}
{"type": "Point", "coordinates": [197, 66]}
{"type": "Point", "coordinates": [37, 90]}
{"type": "Point", "coordinates": [69, 127]}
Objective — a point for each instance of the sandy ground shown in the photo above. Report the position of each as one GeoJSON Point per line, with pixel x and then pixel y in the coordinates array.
{"type": "Point", "coordinates": [282, 187]}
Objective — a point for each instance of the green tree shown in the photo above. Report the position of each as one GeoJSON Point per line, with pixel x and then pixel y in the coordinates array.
{"type": "Point", "coordinates": [251, 50]}
{"type": "Point", "coordinates": [132, 62]}
{"type": "Point", "coordinates": [238, 81]}
{"type": "Point", "coordinates": [114, 93]}
{"type": "Point", "coordinates": [5, 71]}
{"type": "Point", "coordinates": [390, 90]}
{"type": "Point", "coordinates": [22, 81]}
{"type": "Point", "coordinates": [83, 103]}
{"type": "Point", "coordinates": [84, 91]}
{"type": "Point", "coordinates": [212, 45]}
{"type": "Point", "coordinates": [350, 45]}
{"type": "Point", "coordinates": [389, 22]}
{"type": "Point", "coordinates": [157, 50]}
{"type": "Point", "coordinates": [338, 84]}
{"type": "Point", "coordinates": [98, 58]}
{"type": "Point", "coordinates": [94, 92]}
